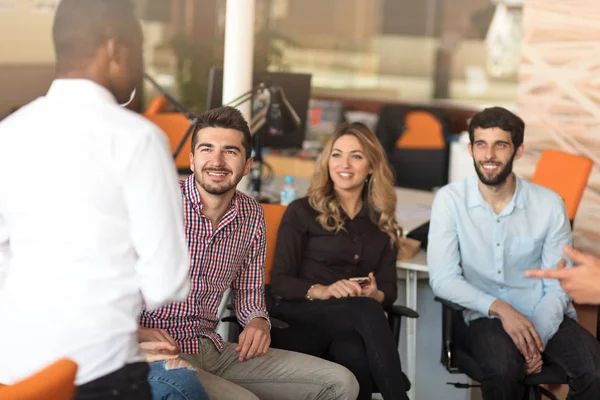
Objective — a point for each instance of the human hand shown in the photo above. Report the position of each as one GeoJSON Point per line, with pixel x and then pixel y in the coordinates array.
{"type": "Point", "coordinates": [254, 340]}
{"type": "Point", "coordinates": [520, 329]}
{"type": "Point", "coordinates": [371, 289]}
{"type": "Point", "coordinates": [534, 365]}
{"type": "Point", "coordinates": [157, 351]}
{"type": "Point", "coordinates": [156, 335]}
{"type": "Point", "coordinates": [582, 282]}
{"type": "Point", "coordinates": [340, 289]}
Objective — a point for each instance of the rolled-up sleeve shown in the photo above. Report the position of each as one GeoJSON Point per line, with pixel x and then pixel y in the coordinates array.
{"type": "Point", "coordinates": [385, 274]}
{"type": "Point", "coordinates": [443, 259]}
{"type": "Point", "coordinates": [153, 201]}
{"type": "Point", "coordinates": [248, 289]}
{"type": "Point", "coordinates": [549, 312]}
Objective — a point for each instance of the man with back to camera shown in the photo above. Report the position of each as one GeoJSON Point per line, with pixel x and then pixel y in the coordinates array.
{"type": "Point", "coordinates": [484, 234]}
{"type": "Point", "coordinates": [90, 213]}
{"type": "Point", "coordinates": [226, 238]}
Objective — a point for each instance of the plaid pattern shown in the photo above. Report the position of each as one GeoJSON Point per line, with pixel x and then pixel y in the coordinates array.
{"type": "Point", "coordinates": [231, 256]}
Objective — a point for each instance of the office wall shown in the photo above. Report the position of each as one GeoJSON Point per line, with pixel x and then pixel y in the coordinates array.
{"type": "Point", "coordinates": [19, 84]}
{"type": "Point", "coordinates": [26, 35]}
{"type": "Point", "coordinates": [559, 94]}
{"type": "Point", "coordinates": [26, 53]}
{"type": "Point", "coordinates": [559, 99]}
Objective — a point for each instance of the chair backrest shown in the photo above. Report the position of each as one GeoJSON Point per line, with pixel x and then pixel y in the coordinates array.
{"type": "Point", "coordinates": [414, 139]}
{"type": "Point", "coordinates": [567, 174]}
{"type": "Point", "coordinates": [423, 131]}
{"type": "Point", "coordinates": [175, 125]}
{"type": "Point", "coordinates": [273, 215]}
{"type": "Point", "coordinates": [55, 382]}
{"type": "Point", "coordinates": [158, 105]}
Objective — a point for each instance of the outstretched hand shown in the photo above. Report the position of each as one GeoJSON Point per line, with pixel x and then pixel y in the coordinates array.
{"type": "Point", "coordinates": [581, 282]}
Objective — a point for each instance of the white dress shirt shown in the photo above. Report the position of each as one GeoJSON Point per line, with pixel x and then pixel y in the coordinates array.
{"type": "Point", "coordinates": [90, 226]}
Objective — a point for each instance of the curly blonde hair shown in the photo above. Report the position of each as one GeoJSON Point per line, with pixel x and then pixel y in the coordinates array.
{"type": "Point", "coordinates": [381, 196]}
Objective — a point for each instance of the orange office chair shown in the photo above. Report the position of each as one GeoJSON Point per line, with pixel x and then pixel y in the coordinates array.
{"type": "Point", "coordinates": [158, 105]}
{"type": "Point", "coordinates": [415, 140]}
{"type": "Point", "coordinates": [175, 126]}
{"type": "Point", "coordinates": [423, 131]}
{"type": "Point", "coordinates": [565, 173]}
{"type": "Point", "coordinates": [55, 382]}
{"type": "Point", "coordinates": [273, 215]}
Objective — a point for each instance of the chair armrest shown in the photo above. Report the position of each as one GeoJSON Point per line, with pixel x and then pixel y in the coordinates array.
{"type": "Point", "coordinates": [275, 323]}
{"type": "Point", "coordinates": [402, 311]}
{"type": "Point", "coordinates": [449, 304]}
{"type": "Point", "coordinates": [449, 311]}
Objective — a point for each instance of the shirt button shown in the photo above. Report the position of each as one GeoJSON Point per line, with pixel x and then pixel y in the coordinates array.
{"type": "Point", "coordinates": [502, 287]}
{"type": "Point", "coordinates": [498, 220]}
{"type": "Point", "coordinates": [499, 272]}
{"type": "Point", "coordinates": [356, 256]}
{"type": "Point", "coordinates": [498, 244]}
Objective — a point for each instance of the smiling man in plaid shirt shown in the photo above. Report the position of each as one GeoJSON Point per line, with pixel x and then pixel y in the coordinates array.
{"type": "Point", "coordinates": [226, 237]}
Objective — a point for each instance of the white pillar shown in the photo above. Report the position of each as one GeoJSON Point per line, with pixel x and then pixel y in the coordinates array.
{"type": "Point", "coordinates": [237, 70]}
{"type": "Point", "coordinates": [239, 50]}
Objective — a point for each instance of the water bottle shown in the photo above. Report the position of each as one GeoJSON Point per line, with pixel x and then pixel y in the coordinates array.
{"type": "Point", "coordinates": [288, 193]}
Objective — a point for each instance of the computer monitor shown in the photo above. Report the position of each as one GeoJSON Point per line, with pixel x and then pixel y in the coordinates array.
{"type": "Point", "coordinates": [297, 92]}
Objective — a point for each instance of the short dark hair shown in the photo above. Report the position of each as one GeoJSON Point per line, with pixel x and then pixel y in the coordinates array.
{"type": "Point", "coordinates": [228, 118]}
{"type": "Point", "coordinates": [81, 26]}
{"type": "Point", "coordinates": [498, 117]}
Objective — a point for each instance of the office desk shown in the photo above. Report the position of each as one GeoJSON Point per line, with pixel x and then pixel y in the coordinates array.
{"type": "Point", "coordinates": [408, 200]}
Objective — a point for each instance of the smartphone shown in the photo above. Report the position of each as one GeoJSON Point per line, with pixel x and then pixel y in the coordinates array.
{"type": "Point", "coordinates": [362, 281]}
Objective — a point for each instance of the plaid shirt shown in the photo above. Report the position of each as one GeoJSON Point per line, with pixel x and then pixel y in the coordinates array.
{"type": "Point", "coordinates": [233, 255]}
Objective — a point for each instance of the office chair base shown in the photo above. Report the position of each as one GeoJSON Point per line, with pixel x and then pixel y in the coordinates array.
{"type": "Point", "coordinates": [535, 393]}
{"type": "Point", "coordinates": [460, 385]}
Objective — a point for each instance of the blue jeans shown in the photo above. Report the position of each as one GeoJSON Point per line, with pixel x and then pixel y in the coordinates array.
{"type": "Point", "coordinates": [174, 384]}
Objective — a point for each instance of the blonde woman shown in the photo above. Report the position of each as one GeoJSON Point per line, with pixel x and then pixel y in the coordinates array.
{"type": "Point", "coordinates": [343, 230]}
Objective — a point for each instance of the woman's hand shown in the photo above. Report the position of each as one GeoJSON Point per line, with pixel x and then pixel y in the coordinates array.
{"type": "Point", "coordinates": [371, 289]}
{"type": "Point", "coordinates": [338, 290]}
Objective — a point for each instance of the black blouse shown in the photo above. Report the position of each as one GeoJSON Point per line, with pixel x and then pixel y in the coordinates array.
{"type": "Point", "coordinates": [307, 254]}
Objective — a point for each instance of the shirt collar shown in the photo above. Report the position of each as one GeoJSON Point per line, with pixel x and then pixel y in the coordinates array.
{"type": "Point", "coordinates": [191, 191]}
{"type": "Point", "coordinates": [78, 90]}
{"type": "Point", "coordinates": [474, 197]}
{"type": "Point", "coordinates": [362, 213]}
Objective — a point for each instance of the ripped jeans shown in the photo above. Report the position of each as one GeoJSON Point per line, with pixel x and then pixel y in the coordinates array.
{"type": "Point", "coordinates": [169, 381]}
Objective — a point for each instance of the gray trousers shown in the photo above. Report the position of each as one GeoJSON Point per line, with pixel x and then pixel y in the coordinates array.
{"type": "Point", "coordinates": [279, 375]}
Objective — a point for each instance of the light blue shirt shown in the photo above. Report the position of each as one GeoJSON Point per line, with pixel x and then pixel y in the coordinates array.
{"type": "Point", "coordinates": [476, 256]}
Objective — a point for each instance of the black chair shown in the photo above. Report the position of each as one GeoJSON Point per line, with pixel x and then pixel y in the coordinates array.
{"type": "Point", "coordinates": [416, 168]}
{"type": "Point", "coordinates": [394, 317]}
{"type": "Point", "coordinates": [458, 360]}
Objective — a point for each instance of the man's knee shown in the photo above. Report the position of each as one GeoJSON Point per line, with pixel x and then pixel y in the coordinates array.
{"type": "Point", "coordinates": [588, 379]}
{"type": "Point", "coordinates": [504, 370]}
{"type": "Point", "coordinates": [343, 383]}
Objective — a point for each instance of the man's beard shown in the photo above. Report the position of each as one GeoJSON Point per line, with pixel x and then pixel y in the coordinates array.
{"type": "Point", "coordinates": [217, 189]}
{"type": "Point", "coordinates": [499, 178]}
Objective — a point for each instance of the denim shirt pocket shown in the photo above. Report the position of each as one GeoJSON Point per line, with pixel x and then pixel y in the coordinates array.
{"type": "Point", "coordinates": [525, 252]}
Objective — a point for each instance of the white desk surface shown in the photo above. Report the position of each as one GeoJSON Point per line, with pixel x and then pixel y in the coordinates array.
{"type": "Point", "coordinates": [412, 200]}
{"type": "Point", "coordinates": [408, 198]}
